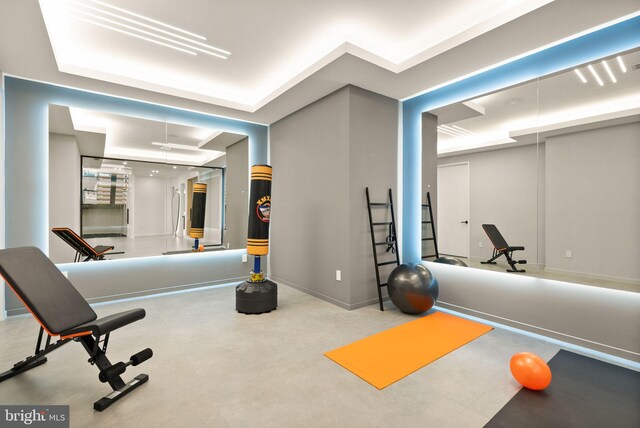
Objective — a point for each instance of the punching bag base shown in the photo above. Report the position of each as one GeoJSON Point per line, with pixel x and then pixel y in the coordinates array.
{"type": "Point", "coordinates": [256, 297]}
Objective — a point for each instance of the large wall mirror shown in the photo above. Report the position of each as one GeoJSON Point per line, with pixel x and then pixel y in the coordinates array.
{"type": "Point", "coordinates": [129, 183]}
{"type": "Point", "coordinates": [553, 164]}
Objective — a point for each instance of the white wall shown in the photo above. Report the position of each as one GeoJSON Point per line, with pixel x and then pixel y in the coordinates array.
{"type": "Point", "coordinates": [213, 217]}
{"type": "Point", "coordinates": [150, 209]}
{"type": "Point", "coordinates": [64, 193]}
{"type": "Point", "coordinates": [176, 182]}
{"type": "Point", "coordinates": [503, 190]}
{"type": "Point", "coordinates": [593, 202]}
{"type": "Point", "coordinates": [237, 194]}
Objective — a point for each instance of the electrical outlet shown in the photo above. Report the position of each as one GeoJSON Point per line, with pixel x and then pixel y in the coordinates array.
{"type": "Point", "coordinates": [338, 275]}
{"type": "Point", "coordinates": [66, 274]}
{"type": "Point", "coordinates": [244, 258]}
{"type": "Point", "coordinates": [480, 244]}
{"type": "Point", "coordinates": [568, 254]}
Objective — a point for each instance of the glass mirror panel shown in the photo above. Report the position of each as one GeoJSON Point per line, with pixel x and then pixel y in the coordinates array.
{"type": "Point", "coordinates": [590, 134]}
{"type": "Point", "coordinates": [129, 183]}
{"type": "Point", "coordinates": [487, 181]}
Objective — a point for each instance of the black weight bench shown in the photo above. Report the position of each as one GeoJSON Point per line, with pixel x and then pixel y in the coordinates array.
{"type": "Point", "coordinates": [62, 311]}
{"type": "Point", "coordinates": [82, 247]}
{"type": "Point", "coordinates": [501, 248]}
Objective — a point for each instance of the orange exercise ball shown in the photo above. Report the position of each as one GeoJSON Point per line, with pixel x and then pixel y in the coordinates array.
{"type": "Point", "coordinates": [530, 370]}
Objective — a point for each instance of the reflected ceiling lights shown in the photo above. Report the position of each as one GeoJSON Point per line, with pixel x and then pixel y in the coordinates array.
{"type": "Point", "coordinates": [141, 27]}
{"type": "Point", "coordinates": [595, 74]}
{"type": "Point", "coordinates": [607, 68]}
{"type": "Point", "coordinates": [611, 76]}
{"type": "Point", "coordinates": [169, 146]}
{"type": "Point", "coordinates": [580, 75]}
{"type": "Point", "coordinates": [454, 131]}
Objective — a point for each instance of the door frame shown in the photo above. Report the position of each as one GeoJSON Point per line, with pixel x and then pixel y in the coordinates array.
{"type": "Point", "coordinates": [467, 163]}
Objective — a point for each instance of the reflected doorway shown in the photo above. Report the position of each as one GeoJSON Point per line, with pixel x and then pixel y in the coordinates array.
{"type": "Point", "coordinates": [453, 209]}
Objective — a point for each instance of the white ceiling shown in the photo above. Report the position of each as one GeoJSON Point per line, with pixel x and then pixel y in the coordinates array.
{"type": "Point", "coordinates": [126, 137]}
{"type": "Point", "coordinates": [242, 54]}
{"type": "Point", "coordinates": [283, 54]}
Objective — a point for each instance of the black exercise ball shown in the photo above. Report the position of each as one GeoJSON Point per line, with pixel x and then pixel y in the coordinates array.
{"type": "Point", "coordinates": [412, 288]}
{"type": "Point", "coordinates": [446, 260]}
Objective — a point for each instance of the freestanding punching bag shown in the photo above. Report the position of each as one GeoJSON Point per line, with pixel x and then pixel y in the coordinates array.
{"type": "Point", "coordinates": [198, 207]}
{"type": "Point", "coordinates": [257, 294]}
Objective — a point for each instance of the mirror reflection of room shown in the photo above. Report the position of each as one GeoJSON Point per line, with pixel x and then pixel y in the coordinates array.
{"type": "Point", "coordinates": [122, 187]}
{"type": "Point", "coordinates": [553, 166]}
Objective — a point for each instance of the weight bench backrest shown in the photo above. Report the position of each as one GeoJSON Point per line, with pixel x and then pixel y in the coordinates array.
{"type": "Point", "coordinates": [76, 242]}
{"type": "Point", "coordinates": [495, 236]}
{"type": "Point", "coordinates": [44, 290]}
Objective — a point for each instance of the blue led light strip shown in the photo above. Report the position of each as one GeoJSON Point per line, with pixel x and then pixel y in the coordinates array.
{"type": "Point", "coordinates": [608, 41]}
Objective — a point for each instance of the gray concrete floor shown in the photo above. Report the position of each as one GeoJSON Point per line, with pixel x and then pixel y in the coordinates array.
{"type": "Point", "coordinates": [156, 245]}
{"type": "Point", "coordinates": [213, 367]}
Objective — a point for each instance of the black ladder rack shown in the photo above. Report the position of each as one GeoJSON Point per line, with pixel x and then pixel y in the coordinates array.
{"type": "Point", "coordinates": [390, 242]}
{"type": "Point", "coordinates": [430, 221]}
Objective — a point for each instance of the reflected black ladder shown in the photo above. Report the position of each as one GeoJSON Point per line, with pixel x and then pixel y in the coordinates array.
{"type": "Point", "coordinates": [390, 242]}
{"type": "Point", "coordinates": [427, 207]}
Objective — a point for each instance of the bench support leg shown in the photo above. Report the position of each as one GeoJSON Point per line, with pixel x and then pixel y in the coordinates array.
{"type": "Point", "coordinates": [35, 360]}
{"type": "Point", "coordinates": [120, 388]}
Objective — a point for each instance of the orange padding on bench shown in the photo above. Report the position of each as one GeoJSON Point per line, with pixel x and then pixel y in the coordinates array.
{"type": "Point", "coordinates": [27, 306]}
{"type": "Point", "coordinates": [388, 356]}
{"type": "Point", "coordinates": [71, 336]}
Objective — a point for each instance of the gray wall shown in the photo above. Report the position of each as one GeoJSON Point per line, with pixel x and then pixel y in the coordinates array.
{"type": "Point", "coordinates": [237, 184]}
{"type": "Point", "coordinates": [64, 193]}
{"type": "Point", "coordinates": [373, 154]}
{"type": "Point", "coordinates": [593, 202]}
{"type": "Point", "coordinates": [598, 318]}
{"type": "Point", "coordinates": [323, 157]}
{"type": "Point", "coordinates": [503, 190]}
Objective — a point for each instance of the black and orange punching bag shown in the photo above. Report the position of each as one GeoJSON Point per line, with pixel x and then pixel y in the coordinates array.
{"type": "Point", "coordinates": [257, 294]}
{"type": "Point", "coordinates": [198, 207]}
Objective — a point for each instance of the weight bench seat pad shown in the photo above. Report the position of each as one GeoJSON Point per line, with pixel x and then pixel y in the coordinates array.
{"type": "Point", "coordinates": [107, 324]}
{"type": "Point", "coordinates": [496, 238]}
{"type": "Point", "coordinates": [46, 292]}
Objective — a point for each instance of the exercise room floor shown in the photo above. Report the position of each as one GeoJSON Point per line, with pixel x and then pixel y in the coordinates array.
{"type": "Point", "coordinates": [213, 367]}
{"type": "Point", "coordinates": [143, 246]}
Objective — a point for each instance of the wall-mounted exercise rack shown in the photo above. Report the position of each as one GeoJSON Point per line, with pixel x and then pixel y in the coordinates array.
{"type": "Point", "coordinates": [391, 242]}
{"type": "Point", "coordinates": [429, 221]}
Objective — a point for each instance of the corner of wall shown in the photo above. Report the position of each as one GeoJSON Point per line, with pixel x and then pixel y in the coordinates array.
{"type": "Point", "coordinates": [3, 313]}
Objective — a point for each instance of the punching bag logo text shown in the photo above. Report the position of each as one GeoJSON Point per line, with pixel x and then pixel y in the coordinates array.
{"type": "Point", "coordinates": [263, 208]}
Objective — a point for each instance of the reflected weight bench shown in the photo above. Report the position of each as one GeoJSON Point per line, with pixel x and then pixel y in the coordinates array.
{"type": "Point", "coordinates": [62, 311]}
{"type": "Point", "coordinates": [82, 247]}
{"type": "Point", "coordinates": [501, 248]}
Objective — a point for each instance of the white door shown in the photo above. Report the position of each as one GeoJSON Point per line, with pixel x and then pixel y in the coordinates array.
{"type": "Point", "coordinates": [453, 209]}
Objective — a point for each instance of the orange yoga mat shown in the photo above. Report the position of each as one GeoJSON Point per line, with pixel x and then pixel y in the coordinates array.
{"type": "Point", "coordinates": [388, 356]}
